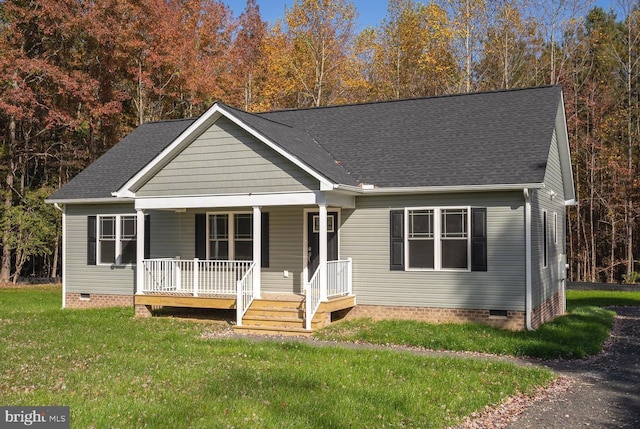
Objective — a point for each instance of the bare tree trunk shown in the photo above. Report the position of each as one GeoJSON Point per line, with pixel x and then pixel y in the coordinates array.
{"type": "Point", "coordinates": [613, 250]}
{"type": "Point", "coordinates": [592, 245]}
{"type": "Point", "coordinates": [56, 253]}
{"type": "Point", "coordinates": [5, 264]}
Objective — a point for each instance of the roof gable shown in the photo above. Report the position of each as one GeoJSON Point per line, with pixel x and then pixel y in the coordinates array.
{"type": "Point", "coordinates": [226, 159]}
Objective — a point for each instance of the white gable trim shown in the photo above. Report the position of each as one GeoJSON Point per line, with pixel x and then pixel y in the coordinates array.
{"type": "Point", "coordinates": [562, 137]}
{"type": "Point", "coordinates": [197, 128]}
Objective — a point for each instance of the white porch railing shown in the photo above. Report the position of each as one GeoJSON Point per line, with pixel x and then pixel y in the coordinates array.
{"type": "Point", "coordinates": [339, 278]}
{"type": "Point", "coordinates": [193, 276]}
{"type": "Point", "coordinates": [245, 294]}
{"type": "Point", "coordinates": [339, 283]}
{"type": "Point", "coordinates": [313, 289]}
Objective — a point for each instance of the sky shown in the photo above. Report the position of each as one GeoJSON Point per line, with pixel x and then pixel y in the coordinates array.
{"type": "Point", "coordinates": [371, 12]}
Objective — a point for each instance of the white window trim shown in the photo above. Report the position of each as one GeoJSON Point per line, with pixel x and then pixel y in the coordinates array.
{"type": "Point", "coordinates": [230, 232]}
{"type": "Point", "coordinates": [555, 227]}
{"type": "Point", "coordinates": [437, 245]}
{"type": "Point", "coordinates": [118, 262]}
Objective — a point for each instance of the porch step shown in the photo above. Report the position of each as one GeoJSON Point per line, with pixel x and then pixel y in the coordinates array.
{"type": "Point", "coordinates": [273, 330]}
{"type": "Point", "coordinates": [275, 315]}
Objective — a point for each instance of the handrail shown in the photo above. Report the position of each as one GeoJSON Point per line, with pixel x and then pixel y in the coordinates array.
{"type": "Point", "coordinates": [339, 278]}
{"type": "Point", "coordinates": [245, 294]}
{"type": "Point", "coordinates": [312, 293]}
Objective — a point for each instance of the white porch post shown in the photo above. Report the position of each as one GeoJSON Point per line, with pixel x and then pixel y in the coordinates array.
{"type": "Point", "coordinates": [257, 249]}
{"type": "Point", "coordinates": [323, 252]}
{"type": "Point", "coordinates": [139, 251]}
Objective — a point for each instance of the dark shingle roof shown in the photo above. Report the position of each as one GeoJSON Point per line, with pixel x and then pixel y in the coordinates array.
{"type": "Point", "coordinates": [113, 169]}
{"type": "Point", "coordinates": [491, 138]}
{"type": "Point", "coordinates": [500, 137]}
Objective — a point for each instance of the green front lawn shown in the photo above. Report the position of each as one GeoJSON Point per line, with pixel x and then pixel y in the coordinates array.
{"type": "Point", "coordinates": [580, 333]}
{"type": "Point", "coordinates": [117, 371]}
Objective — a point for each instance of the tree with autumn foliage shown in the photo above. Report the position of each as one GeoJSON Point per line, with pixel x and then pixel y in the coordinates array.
{"type": "Point", "coordinates": [75, 77]}
{"type": "Point", "coordinates": [321, 34]}
{"type": "Point", "coordinates": [412, 53]}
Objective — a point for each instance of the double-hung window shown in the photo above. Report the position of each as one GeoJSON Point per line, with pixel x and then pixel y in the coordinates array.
{"type": "Point", "coordinates": [438, 238]}
{"type": "Point", "coordinates": [117, 239]}
{"type": "Point", "coordinates": [230, 236]}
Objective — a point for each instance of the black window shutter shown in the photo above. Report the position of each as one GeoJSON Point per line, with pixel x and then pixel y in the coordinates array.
{"type": "Point", "coordinates": [201, 236]}
{"type": "Point", "coordinates": [478, 239]}
{"type": "Point", "coordinates": [264, 240]}
{"type": "Point", "coordinates": [147, 237]}
{"type": "Point", "coordinates": [91, 239]}
{"type": "Point", "coordinates": [396, 236]}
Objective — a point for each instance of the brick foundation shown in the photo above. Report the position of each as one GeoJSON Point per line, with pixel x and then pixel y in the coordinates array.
{"type": "Point", "coordinates": [514, 320]}
{"type": "Point", "coordinates": [97, 300]}
{"type": "Point", "coordinates": [549, 310]}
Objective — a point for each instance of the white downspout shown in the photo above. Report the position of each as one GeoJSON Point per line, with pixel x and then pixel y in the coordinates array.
{"type": "Point", "coordinates": [64, 253]}
{"type": "Point", "coordinates": [527, 257]}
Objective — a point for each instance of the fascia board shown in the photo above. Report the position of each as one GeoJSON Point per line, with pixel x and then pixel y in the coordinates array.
{"type": "Point", "coordinates": [564, 151]}
{"type": "Point", "coordinates": [110, 200]}
{"type": "Point", "coordinates": [440, 189]}
{"type": "Point", "coordinates": [208, 118]}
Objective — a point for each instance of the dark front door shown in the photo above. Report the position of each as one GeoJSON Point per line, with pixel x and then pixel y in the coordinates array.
{"type": "Point", "coordinates": [313, 238]}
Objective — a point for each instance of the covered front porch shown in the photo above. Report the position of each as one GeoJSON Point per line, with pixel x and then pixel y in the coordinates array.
{"type": "Point", "coordinates": [273, 265]}
{"type": "Point", "coordinates": [232, 285]}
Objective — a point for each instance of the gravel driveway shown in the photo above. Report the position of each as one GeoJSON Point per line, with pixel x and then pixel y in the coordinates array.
{"type": "Point", "coordinates": [605, 389]}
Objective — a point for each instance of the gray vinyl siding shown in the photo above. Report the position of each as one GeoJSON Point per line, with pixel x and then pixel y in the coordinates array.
{"type": "Point", "coordinates": [545, 280]}
{"type": "Point", "coordinates": [226, 159]}
{"type": "Point", "coordinates": [365, 238]}
{"type": "Point", "coordinates": [83, 278]}
{"type": "Point", "coordinates": [286, 229]}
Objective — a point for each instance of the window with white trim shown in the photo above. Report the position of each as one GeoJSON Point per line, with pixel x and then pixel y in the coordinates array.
{"type": "Point", "coordinates": [230, 236]}
{"type": "Point", "coordinates": [117, 239]}
{"type": "Point", "coordinates": [555, 227]}
{"type": "Point", "coordinates": [438, 238]}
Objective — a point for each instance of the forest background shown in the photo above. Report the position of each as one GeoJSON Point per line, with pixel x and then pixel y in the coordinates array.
{"type": "Point", "coordinates": [76, 76]}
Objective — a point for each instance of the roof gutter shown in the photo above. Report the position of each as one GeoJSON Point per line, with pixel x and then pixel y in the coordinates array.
{"type": "Point", "coordinates": [438, 189]}
{"type": "Point", "coordinates": [89, 200]}
{"type": "Point", "coordinates": [527, 258]}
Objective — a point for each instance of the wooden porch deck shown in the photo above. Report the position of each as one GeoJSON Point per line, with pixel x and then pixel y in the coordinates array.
{"type": "Point", "coordinates": [272, 314]}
